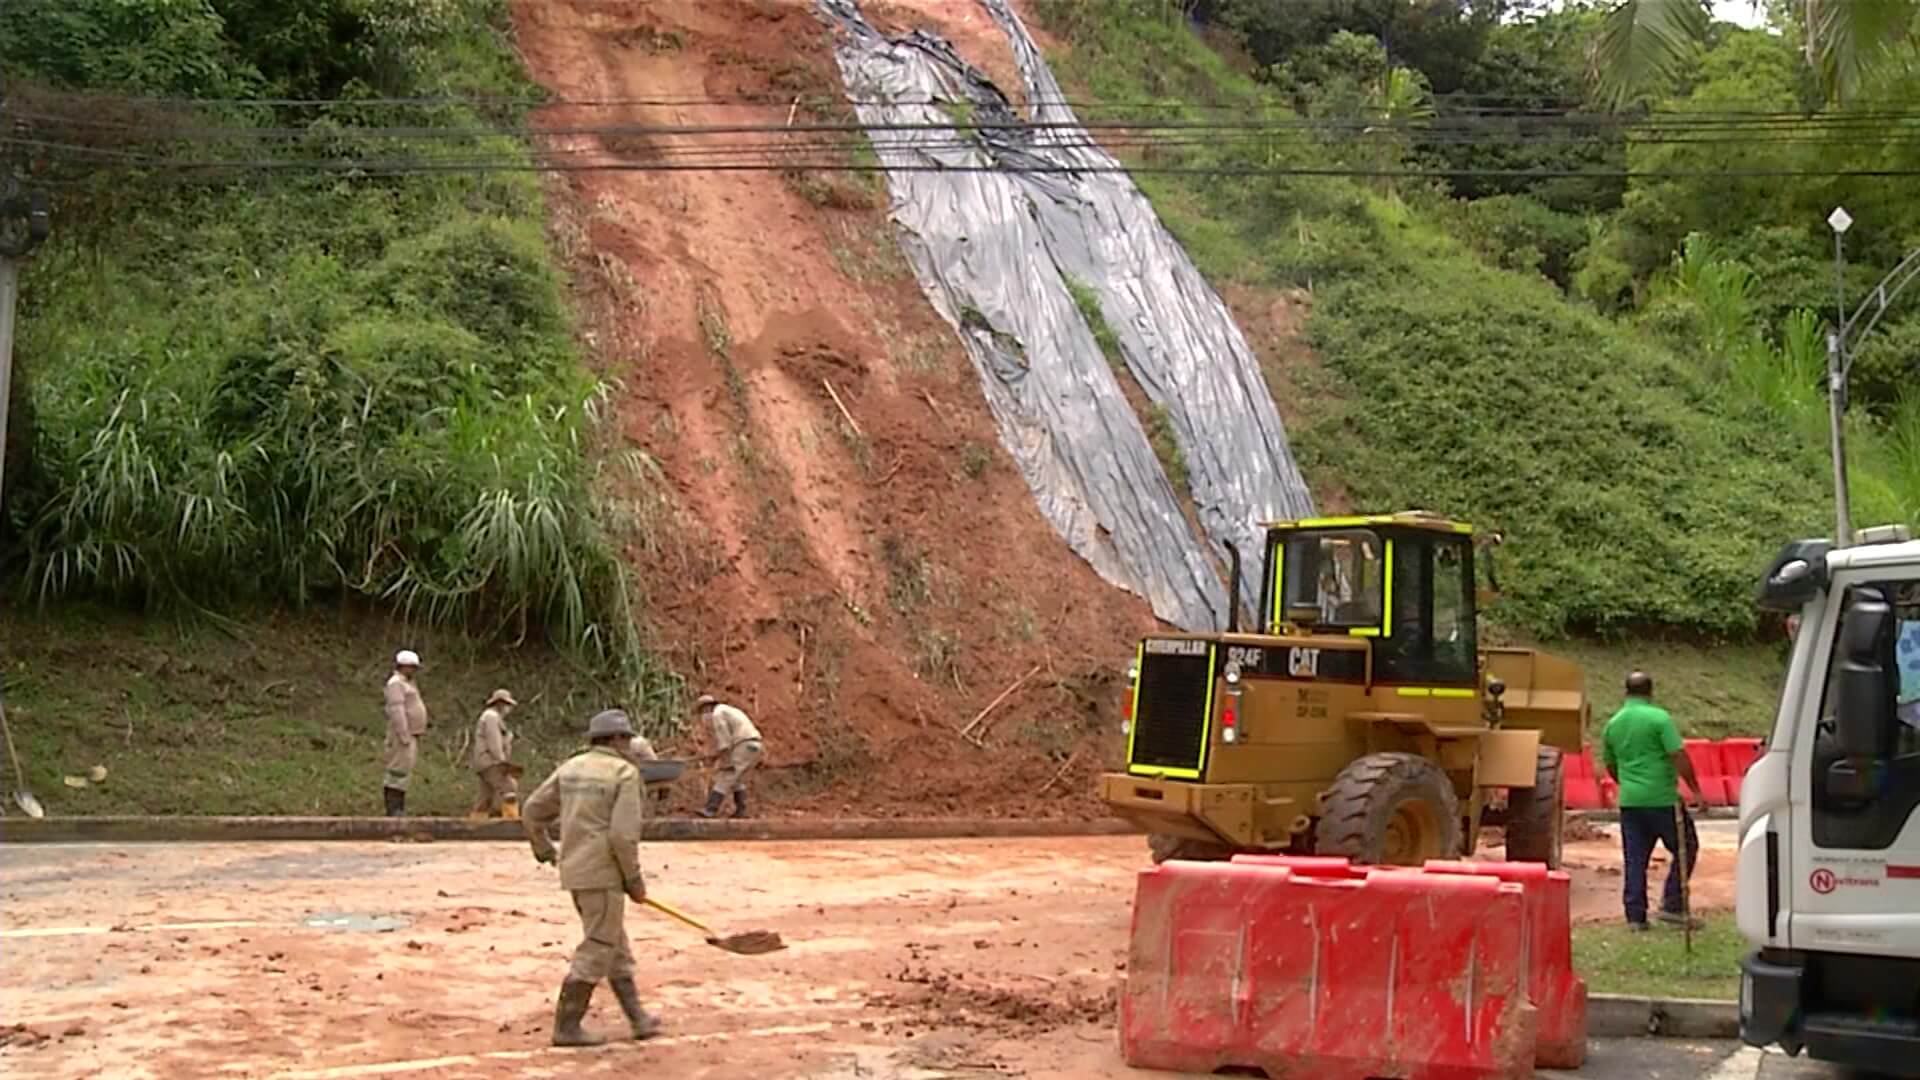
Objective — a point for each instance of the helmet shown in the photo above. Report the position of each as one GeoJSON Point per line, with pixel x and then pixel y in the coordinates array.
{"type": "Point", "coordinates": [706, 701]}
{"type": "Point", "coordinates": [609, 722]}
{"type": "Point", "coordinates": [406, 658]}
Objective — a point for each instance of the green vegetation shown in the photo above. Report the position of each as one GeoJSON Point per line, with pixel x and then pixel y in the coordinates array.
{"type": "Point", "coordinates": [290, 388]}
{"type": "Point", "coordinates": [1088, 301]}
{"type": "Point", "coordinates": [1655, 963]}
{"type": "Point", "coordinates": [1642, 481]}
{"type": "Point", "coordinates": [265, 713]}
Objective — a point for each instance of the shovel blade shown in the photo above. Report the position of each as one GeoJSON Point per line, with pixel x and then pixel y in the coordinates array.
{"type": "Point", "coordinates": [25, 801]}
{"type": "Point", "coordinates": [751, 943]}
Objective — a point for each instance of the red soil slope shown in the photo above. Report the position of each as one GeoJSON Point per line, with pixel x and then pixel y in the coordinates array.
{"type": "Point", "coordinates": [863, 594]}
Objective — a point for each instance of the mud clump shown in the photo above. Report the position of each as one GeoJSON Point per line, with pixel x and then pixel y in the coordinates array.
{"type": "Point", "coordinates": [933, 999]}
{"type": "Point", "coordinates": [20, 1035]}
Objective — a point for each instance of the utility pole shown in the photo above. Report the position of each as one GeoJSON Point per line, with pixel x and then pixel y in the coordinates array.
{"type": "Point", "coordinates": [24, 223]}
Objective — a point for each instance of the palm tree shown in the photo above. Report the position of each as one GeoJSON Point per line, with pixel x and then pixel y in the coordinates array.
{"type": "Point", "coordinates": [1644, 41]}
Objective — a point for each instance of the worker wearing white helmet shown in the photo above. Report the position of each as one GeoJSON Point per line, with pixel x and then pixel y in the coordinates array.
{"type": "Point", "coordinates": [733, 743]}
{"type": "Point", "coordinates": [406, 721]}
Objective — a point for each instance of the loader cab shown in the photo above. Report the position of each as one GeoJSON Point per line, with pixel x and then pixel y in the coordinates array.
{"type": "Point", "coordinates": [1405, 582]}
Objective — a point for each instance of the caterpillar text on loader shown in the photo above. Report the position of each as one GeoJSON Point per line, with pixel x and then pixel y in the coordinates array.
{"type": "Point", "coordinates": [1363, 720]}
{"type": "Point", "coordinates": [1828, 874]}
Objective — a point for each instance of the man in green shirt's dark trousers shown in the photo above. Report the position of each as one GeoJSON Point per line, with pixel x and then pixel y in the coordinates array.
{"type": "Point", "coordinates": [1643, 753]}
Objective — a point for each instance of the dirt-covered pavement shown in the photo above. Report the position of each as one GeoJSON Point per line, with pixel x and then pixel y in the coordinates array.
{"type": "Point", "coordinates": [917, 958]}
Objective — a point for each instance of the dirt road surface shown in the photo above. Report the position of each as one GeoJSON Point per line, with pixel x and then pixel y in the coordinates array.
{"type": "Point", "coordinates": [335, 961]}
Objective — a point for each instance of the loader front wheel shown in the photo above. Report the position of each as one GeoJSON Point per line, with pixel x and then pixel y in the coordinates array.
{"type": "Point", "coordinates": [1390, 810]}
{"type": "Point", "coordinates": [1536, 816]}
{"type": "Point", "coordinates": [1165, 846]}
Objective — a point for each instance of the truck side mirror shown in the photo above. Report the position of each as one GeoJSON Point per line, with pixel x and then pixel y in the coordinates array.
{"type": "Point", "coordinates": [1865, 708]}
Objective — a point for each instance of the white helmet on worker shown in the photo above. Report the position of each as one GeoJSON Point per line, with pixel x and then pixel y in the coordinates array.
{"type": "Point", "coordinates": [406, 658]}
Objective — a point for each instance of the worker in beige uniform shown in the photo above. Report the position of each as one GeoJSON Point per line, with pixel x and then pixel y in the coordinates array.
{"type": "Point", "coordinates": [593, 799]}
{"type": "Point", "coordinates": [492, 757]}
{"type": "Point", "coordinates": [406, 721]}
{"type": "Point", "coordinates": [733, 740]}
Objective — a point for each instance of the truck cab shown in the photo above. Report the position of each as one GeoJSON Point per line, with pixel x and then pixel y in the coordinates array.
{"type": "Point", "coordinates": [1828, 877]}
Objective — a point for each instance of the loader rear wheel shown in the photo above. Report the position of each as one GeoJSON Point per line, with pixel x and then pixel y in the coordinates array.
{"type": "Point", "coordinates": [1165, 846]}
{"type": "Point", "coordinates": [1536, 816]}
{"type": "Point", "coordinates": [1390, 810]}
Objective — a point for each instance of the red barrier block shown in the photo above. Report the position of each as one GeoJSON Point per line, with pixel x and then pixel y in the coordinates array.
{"type": "Point", "coordinates": [1319, 866]}
{"type": "Point", "coordinates": [1559, 995]}
{"type": "Point", "coordinates": [1736, 757]}
{"type": "Point", "coordinates": [1581, 785]}
{"type": "Point", "coordinates": [1708, 769]}
{"type": "Point", "coordinates": [1398, 973]}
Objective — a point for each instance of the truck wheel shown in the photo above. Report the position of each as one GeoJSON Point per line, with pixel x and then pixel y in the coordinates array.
{"type": "Point", "coordinates": [1164, 847]}
{"type": "Point", "coordinates": [1536, 816]}
{"type": "Point", "coordinates": [1390, 810]}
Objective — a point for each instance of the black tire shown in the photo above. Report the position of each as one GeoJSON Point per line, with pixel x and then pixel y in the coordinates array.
{"type": "Point", "coordinates": [1390, 810]}
{"type": "Point", "coordinates": [1536, 816]}
{"type": "Point", "coordinates": [1165, 846]}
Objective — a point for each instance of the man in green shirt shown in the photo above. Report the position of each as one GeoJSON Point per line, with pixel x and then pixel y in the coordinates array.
{"type": "Point", "coordinates": [1642, 752]}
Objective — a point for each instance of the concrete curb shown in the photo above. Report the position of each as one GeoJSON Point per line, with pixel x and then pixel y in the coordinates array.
{"type": "Point", "coordinates": [1621, 1016]}
{"type": "Point", "coordinates": [160, 830]}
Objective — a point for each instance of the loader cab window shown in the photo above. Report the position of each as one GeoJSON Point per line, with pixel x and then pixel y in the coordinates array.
{"type": "Point", "coordinates": [1432, 638]}
{"type": "Point", "coordinates": [1333, 580]}
{"type": "Point", "coordinates": [1865, 806]}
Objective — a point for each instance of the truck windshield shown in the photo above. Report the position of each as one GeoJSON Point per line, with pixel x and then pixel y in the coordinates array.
{"type": "Point", "coordinates": [1336, 575]}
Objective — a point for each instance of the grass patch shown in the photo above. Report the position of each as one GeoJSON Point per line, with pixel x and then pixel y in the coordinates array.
{"type": "Point", "coordinates": [865, 251]}
{"type": "Point", "coordinates": [267, 713]}
{"type": "Point", "coordinates": [1713, 691]}
{"type": "Point", "coordinates": [974, 460]}
{"type": "Point", "coordinates": [909, 575]}
{"type": "Point", "coordinates": [1615, 960]}
{"type": "Point", "coordinates": [1088, 301]}
{"type": "Point", "coordinates": [1167, 448]}
{"type": "Point", "coordinates": [936, 655]}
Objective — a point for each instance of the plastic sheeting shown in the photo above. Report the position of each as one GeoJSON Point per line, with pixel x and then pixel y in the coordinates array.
{"type": "Point", "coordinates": [995, 224]}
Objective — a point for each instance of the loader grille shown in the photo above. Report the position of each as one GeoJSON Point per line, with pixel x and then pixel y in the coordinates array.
{"type": "Point", "coordinates": [1170, 722]}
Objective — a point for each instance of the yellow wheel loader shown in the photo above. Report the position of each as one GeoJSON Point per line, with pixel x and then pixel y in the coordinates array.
{"type": "Point", "coordinates": [1363, 719]}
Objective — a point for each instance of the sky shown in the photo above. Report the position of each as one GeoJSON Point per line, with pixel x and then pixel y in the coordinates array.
{"type": "Point", "coordinates": [1740, 12]}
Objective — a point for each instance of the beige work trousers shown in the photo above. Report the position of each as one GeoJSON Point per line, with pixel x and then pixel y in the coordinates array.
{"type": "Point", "coordinates": [604, 952]}
{"type": "Point", "coordinates": [403, 752]}
{"type": "Point", "coordinates": [492, 788]}
{"type": "Point", "coordinates": [740, 761]}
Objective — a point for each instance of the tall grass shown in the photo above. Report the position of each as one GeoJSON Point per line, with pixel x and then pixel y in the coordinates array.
{"type": "Point", "coordinates": [301, 388]}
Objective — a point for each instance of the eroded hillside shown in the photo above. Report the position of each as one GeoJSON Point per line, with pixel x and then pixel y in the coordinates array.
{"type": "Point", "coordinates": [849, 550]}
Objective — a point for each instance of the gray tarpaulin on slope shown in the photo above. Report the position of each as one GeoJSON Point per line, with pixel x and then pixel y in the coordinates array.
{"type": "Point", "coordinates": [993, 248]}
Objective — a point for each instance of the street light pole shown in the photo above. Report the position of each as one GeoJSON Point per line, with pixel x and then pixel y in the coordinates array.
{"type": "Point", "coordinates": [1839, 220]}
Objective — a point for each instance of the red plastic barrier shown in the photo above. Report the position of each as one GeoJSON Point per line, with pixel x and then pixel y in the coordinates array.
{"type": "Point", "coordinates": [1559, 995]}
{"type": "Point", "coordinates": [1736, 757]}
{"type": "Point", "coordinates": [1398, 973]}
{"type": "Point", "coordinates": [1581, 785]}
{"type": "Point", "coordinates": [1707, 768]}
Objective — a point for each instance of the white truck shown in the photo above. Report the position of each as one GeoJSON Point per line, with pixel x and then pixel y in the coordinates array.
{"type": "Point", "coordinates": [1829, 863]}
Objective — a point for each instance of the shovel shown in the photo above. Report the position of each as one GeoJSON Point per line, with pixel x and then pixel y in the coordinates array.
{"type": "Point", "coordinates": [21, 796]}
{"type": "Point", "coordinates": [751, 943]}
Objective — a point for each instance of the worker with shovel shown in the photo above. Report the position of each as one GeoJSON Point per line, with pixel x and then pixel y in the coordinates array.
{"type": "Point", "coordinates": [407, 720]}
{"type": "Point", "coordinates": [1643, 752]}
{"type": "Point", "coordinates": [594, 801]}
{"type": "Point", "coordinates": [733, 743]}
{"type": "Point", "coordinates": [492, 759]}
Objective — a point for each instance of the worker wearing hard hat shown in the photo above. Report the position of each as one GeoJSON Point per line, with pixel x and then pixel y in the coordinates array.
{"type": "Point", "coordinates": [594, 801]}
{"type": "Point", "coordinates": [734, 742]}
{"type": "Point", "coordinates": [406, 721]}
{"type": "Point", "coordinates": [492, 759]}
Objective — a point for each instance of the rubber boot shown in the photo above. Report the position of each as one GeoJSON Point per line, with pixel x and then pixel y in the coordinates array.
{"type": "Point", "coordinates": [713, 804]}
{"type": "Point", "coordinates": [396, 801]}
{"type": "Point", "coordinates": [645, 1025]}
{"type": "Point", "coordinates": [739, 802]}
{"type": "Point", "coordinates": [568, 1011]}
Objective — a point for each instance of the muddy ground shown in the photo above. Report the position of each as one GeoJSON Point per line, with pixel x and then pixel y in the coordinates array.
{"type": "Point", "coordinates": [924, 958]}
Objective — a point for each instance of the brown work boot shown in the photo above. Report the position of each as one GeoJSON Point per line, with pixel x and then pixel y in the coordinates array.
{"type": "Point", "coordinates": [645, 1024]}
{"type": "Point", "coordinates": [568, 1011]}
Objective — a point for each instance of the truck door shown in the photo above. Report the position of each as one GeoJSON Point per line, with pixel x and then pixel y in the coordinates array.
{"type": "Point", "coordinates": [1856, 819]}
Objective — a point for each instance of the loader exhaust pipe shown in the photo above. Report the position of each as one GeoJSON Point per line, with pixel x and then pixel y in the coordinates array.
{"type": "Point", "coordinates": [1233, 587]}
